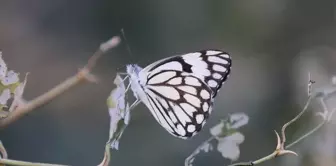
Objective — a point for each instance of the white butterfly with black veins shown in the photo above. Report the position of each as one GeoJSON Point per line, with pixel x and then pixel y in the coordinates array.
{"type": "Point", "coordinates": [179, 90]}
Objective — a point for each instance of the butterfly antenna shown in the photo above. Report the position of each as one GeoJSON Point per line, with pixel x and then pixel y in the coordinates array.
{"type": "Point", "coordinates": [127, 45]}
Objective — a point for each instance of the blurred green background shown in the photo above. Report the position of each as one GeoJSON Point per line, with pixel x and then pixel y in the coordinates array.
{"type": "Point", "coordinates": [273, 44]}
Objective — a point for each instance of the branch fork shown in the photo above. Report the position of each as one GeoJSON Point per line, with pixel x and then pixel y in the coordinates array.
{"type": "Point", "coordinates": [23, 107]}
{"type": "Point", "coordinates": [280, 148]}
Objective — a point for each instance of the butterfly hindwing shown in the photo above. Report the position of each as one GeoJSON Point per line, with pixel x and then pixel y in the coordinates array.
{"type": "Point", "coordinates": [181, 102]}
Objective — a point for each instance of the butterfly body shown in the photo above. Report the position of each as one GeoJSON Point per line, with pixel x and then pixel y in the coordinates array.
{"type": "Point", "coordinates": [180, 90]}
{"type": "Point", "coordinates": [137, 85]}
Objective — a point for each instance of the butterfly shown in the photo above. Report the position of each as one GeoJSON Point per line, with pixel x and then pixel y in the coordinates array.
{"type": "Point", "coordinates": [179, 91]}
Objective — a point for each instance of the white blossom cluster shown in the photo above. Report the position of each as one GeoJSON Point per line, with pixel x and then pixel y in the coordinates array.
{"type": "Point", "coordinates": [11, 89]}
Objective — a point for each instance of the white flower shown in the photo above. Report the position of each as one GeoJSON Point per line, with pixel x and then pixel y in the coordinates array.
{"type": "Point", "coordinates": [3, 67]}
{"type": "Point", "coordinates": [333, 80]}
{"type": "Point", "coordinates": [229, 145]}
{"type": "Point", "coordinates": [10, 78]}
{"type": "Point", "coordinates": [238, 120]}
{"type": "Point", "coordinates": [5, 95]}
{"type": "Point", "coordinates": [228, 137]}
{"type": "Point", "coordinates": [234, 122]}
{"type": "Point", "coordinates": [217, 129]}
{"type": "Point", "coordinates": [10, 81]}
{"type": "Point", "coordinates": [326, 115]}
{"type": "Point", "coordinates": [18, 92]}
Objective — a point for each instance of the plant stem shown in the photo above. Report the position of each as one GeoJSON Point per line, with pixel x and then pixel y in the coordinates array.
{"type": "Point", "coordinates": [307, 134]}
{"type": "Point", "coordinates": [283, 134]}
{"type": "Point", "coordinates": [82, 76]}
{"type": "Point", "coordinates": [24, 163]}
{"type": "Point", "coordinates": [44, 98]}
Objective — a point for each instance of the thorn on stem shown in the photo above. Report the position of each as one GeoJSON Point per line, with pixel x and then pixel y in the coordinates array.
{"type": "Point", "coordinates": [278, 147]}
{"type": "Point", "coordinates": [280, 150]}
{"type": "Point", "coordinates": [283, 152]}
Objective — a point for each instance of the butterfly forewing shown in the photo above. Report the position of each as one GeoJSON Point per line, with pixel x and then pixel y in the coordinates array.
{"type": "Point", "coordinates": [182, 103]}
{"type": "Point", "coordinates": [211, 66]}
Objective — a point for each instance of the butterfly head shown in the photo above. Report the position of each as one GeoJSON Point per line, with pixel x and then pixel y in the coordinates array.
{"type": "Point", "coordinates": [133, 72]}
{"type": "Point", "coordinates": [133, 69]}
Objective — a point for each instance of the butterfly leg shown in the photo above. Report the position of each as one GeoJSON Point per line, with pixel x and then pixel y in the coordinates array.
{"type": "Point", "coordinates": [124, 79]}
{"type": "Point", "coordinates": [128, 87]}
{"type": "Point", "coordinates": [134, 104]}
{"type": "Point", "coordinates": [122, 73]}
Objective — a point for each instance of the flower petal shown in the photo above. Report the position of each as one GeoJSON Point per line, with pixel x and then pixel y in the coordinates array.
{"type": "Point", "coordinates": [5, 95]}
{"type": "Point", "coordinates": [10, 78]}
{"type": "Point", "coordinates": [3, 67]}
{"type": "Point", "coordinates": [238, 120]}
{"type": "Point", "coordinates": [229, 146]}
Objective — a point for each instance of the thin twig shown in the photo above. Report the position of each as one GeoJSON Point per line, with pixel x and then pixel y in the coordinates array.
{"type": "Point", "coordinates": [277, 152]}
{"type": "Point", "coordinates": [82, 76]}
{"type": "Point", "coordinates": [103, 48]}
{"type": "Point", "coordinates": [261, 160]}
{"type": "Point", "coordinates": [283, 134]}
{"type": "Point", "coordinates": [280, 150]}
{"type": "Point", "coordinates": [44, 98]}
{"type": "Point", "coordinates": [324, 105]}
{"type": "Point", "coordinates": [187, 161]}
{"type": "Point", "coordinates": [24, 163]}
{"type": "Point", "coordinates": [325, 120]}
{"type": "Point", "coordinates": [307, 134]}
{"type": "Point", "coordinates": [107, 156]}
